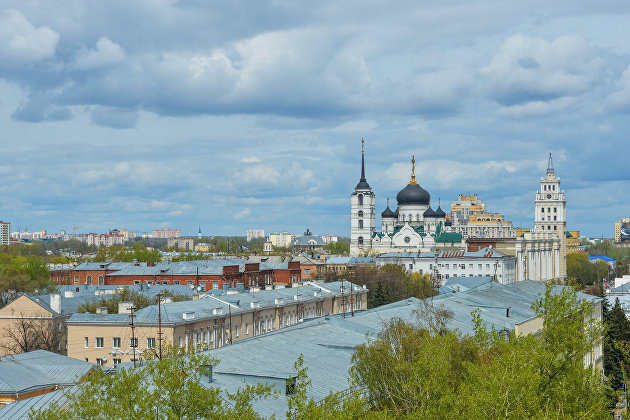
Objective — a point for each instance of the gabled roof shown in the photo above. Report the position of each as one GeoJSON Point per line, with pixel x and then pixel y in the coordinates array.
{"type": "Point", "coordinates": [40, 369]}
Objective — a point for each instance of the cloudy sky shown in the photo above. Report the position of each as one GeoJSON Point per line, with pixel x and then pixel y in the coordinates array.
{"type": "Point", "coordinates": [238, 115]}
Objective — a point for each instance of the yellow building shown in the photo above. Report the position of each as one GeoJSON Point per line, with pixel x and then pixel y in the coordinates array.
{"type": "Point", "coordinates": [573, 241]}
{"type": "Point", "coordinates": [623, 224]}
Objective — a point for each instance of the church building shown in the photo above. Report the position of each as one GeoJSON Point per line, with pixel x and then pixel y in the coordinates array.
{"type": "Point", "coordinates": [414, 226]}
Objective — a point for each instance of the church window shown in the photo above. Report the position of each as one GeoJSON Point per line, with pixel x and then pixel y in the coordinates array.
{"type": "Point", "coordinates": [553, 187]}
{"type": "Point", "coordinates": [360, 199]}
{"type": "Point", "coordinates": [360, 213]}
{"type": "Point", "coordinates": [555, 210]}
{"type": "Point", "coordinates": [360, 224]}
{"type": "Point", "coordinates": [360, 240]}
{"type": "Point", "coordinates": [545, 188]}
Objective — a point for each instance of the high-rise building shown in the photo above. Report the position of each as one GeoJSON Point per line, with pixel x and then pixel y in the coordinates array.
{"type": "Point", "coordinates": [622, 230]}
{"type": "Point", "coordinates": [255, 233]}
{"type": "Point", "coordinates": [166, 233]}
{"type": "Point", "coordinates": [5, 232]}
{"type": "Point", "coordinates": [551, 211]}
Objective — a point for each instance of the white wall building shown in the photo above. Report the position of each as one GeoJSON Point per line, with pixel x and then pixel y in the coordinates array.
{"type": "Point", "coordinates": [255, 233]}
{"type": "Point", "coordinates": [282, 239]}
{"type": "Point", "coordinates": [487, 262]}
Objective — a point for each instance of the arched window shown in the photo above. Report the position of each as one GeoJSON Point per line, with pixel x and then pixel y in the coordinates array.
{"type": "Point", "coordinates": [89, 280]}
{"type": "Point", "coordinates": [360, 240]}
{"type": "Point", "coordinates": [360, 224]}
{"type": "Point", "coordinates": [360, 213]}
{"type": "Point", "coordinates": [100, 280]}
{"type": "Point", "coordinates": [360, 199]}
{"type": "Point", "coordinates": [545, 187]}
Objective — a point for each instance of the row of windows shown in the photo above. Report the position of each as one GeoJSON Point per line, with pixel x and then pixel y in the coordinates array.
{"type": "Point", "coordinates": [551, 187]}
{"type": "Point", "coordinates": [99, 342]}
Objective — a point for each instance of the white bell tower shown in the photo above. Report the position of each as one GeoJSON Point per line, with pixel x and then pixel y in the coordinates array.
{"type": "Point", "coordinates": [551, 211]}
{"type": "Point", "coordinates": [362, 212]}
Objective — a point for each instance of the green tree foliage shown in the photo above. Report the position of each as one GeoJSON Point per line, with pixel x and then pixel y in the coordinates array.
{"type": "Point", "coordinates": [620, 253]}
{"type": "Point", "coordinates": [171, 388]}
{"type": "Point", "coordinates": [617, 336]}
{"type": "Point", "coordinates": [119, 253]}
{"type": "Point", "coordinates": [584, 272]}
{"type": "Point", "coordinates": [389, 283]}
{"type": "Point", "coordinates": [23, 274]}
{"type": "Point", "coordinates": [190, 256]}
{"type": "Point", "coordinates": [124, 295]}
{"type": "Point", "coordinates": [410, 372]}
{"type": "Point", "coordinates": [338, 248]}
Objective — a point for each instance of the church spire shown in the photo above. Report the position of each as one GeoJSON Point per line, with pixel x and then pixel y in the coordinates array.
{"type": "Point", "coordinates": [413, 171]}
{"type": "Point", "coordinates": [550, 165]}
{"type": "Point", "coordinates": [363, 184]}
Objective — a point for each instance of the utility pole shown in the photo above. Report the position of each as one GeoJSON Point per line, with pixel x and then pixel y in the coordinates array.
{"type": "Point", "coordinates": [133, 336]}
{"type": "Point", "coordinates": [159, 297]}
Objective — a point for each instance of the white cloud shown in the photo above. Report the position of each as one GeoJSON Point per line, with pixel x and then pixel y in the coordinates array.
{"type": "Point", "coordinates": [532, 69]}
{"type": "Point", "coordinates": [242, 213]}
{"type": "Point", "coordinates": [105, 53]}
{"type": "Point", "coordinates": [21, 41]}
{"type": "Point", "coordinates": [252, 159]}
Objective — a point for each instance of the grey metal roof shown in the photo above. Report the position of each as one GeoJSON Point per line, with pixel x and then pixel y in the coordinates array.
{"type": "Point", "coordinates": [37, 369]}
{"type": "Point", "coordinates": [22, 408]}
{"type": "Point", "coordinates": [350, 260]}
{"type": "Point", "coordinates": [172, 313]}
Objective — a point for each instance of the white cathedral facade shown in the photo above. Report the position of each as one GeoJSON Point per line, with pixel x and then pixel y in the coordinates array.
{"type": "Point", "coordinates": [413, 226]}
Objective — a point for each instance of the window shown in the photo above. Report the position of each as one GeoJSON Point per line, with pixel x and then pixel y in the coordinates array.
{"type": "Point", "coordinates": [86, 342]}
{"type": "Point", "coordinates": [86, 359]}
{"type": "Point", "coordinates": [360, 199]}
{"type": "Point", "coordinates": [470, 266]}
{"type": "Point", "coordinates": [151, 342]}
{"type": "Point", "coordinates": [100, 280]}
{"type": "Point", "coordinates": [307, 271]}
{"type": "Point", "coordinates": [360, 213]}
{"type": "Point", "coordinates": [236, 331]}
{"type": "Point", "coordinates": [555, 210]}
{"type": "Point", "coordinates": [215, 284]}
{"type": "Point", "coordinates": [99, 362]}
{"type": "Point", "coordinates": [411, 266]}
{"type": "Point", "coordinates": [179, 341]}
{"type": "Point", "coordinates": [360, 224]}
{"type": "Point", "coordinates": [177, 282]}
{"type": "Point", "coordinates": [542, 210]}
{"type": "Point", "coordinates": [133, 342]}
{"type": "Point", "coordinates": [487, 265]}
{"type": "Point", "coordinates": [555, 217]}
{"type": "Point", "coordinates": [555, 228]}
{"type": "Point", "coordinates": [76, 279]}
{"type": "Point", "coordinates": [99, 342]}
{"type": "Point", "coordinates": [190, 282]}
{"type": "Point", "coordinates": [448, 266]}
{"type": "Point", "coordinates": [479, 266]}
{"type": "Point", "coordinates": [117, 362]}
{"type": "Point", "coordinates": [226, 284]}
{"type": "Point", "coordinates": [89, 280]}
{"type": "Point", "coordinates": [360, 240]}
{"type": "Point", "coordinates": [246, 329]}
{"type": "Point", "coordinates": [462, 266]}
{"type": "Point", "coordinates": [116, 342]}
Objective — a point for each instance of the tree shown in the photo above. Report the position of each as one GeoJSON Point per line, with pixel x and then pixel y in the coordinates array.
{"type": "Point", "coordinates": [617, 336]}
{"type": "Point", "coordinates": [413, 371]}
{"type": "Point", "coordinates": [338, 248]}
{"type": "Point", "coordinates": [171, 388]}
{"type": "Point", "coordinates": [33, 333]}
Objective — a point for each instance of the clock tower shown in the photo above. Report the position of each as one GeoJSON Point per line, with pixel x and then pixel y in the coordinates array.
{"type": "Point", "coordinates": [550, 211]}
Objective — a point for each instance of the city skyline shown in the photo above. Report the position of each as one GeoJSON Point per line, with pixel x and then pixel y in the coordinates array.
{"type": "Point", "coordinates": [175, 115]}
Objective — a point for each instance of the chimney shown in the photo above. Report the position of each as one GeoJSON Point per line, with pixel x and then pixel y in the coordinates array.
{"type": "Point", "coordinates": [55, 302]}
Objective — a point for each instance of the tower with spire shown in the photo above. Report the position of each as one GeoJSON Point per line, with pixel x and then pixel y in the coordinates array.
{"type": "Point", "coordinates": [362, 212]}
{"type": "Point", "coordinates": [550, 213]}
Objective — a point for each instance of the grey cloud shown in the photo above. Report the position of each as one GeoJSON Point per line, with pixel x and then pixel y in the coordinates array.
{"type": "Point", "coordinates": [41, 107]}
{"type": "Point", "coordinates": [529, 69]}
{"type": "Point", "coordinates": [114, 117]}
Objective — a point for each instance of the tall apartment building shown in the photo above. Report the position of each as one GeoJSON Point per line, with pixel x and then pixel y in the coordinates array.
{"type": "Point", "coordinates": [622, 230]}
{"type": "Point", "coordinates": [5, 232]}
{"type": "Point", "coordinates": [282, 239]}
{"type": "Point", "coordinates": [255, 233]}
{"type": "Point", "coordinates": [166, 233]}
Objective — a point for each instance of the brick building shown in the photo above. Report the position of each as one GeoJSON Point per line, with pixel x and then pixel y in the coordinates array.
{"type": "Point", "coordinates": [209, 274]}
